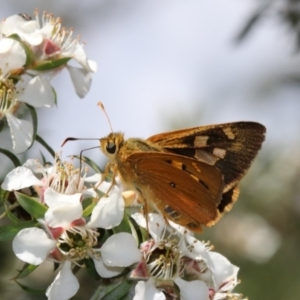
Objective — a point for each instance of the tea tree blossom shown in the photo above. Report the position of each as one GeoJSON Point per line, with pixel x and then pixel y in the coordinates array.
{"type": "Point", "coordinates": [52, 46]}
{"type": "Point", "coordinates": [32, 51]}
{"type": "Point", "coordinates": [65, 237]}
{"type": "Point", "coordinates": [175, 263]}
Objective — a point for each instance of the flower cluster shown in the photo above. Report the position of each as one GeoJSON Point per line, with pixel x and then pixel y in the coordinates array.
{"type": "Point", "coordinates": [73, 229]}
{"type": "Point", "coordinates": [67, 233]}
{"type": "Point", "coordinates": [60, 214]}
{"type": "Point", "coordinates": [32, 52]}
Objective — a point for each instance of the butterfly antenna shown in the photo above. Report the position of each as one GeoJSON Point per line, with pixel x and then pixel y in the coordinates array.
{"type": "Point", "coordinates": [100, 104]}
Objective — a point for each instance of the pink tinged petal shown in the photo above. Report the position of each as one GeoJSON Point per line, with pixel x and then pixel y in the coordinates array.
{"type": "Point", "coordinates": [65, 284]}
{"type": "Point", "coordinates": [81, 79]}
{"type": "Point", "coordinates": [20, 178]}
{"type": "Point", "coordinates": [32, 245]}
{"type": "Point", "coordinates": [223, 271]}
{"type": "Point", "coordinates": [50, 48]}
{"type": "Point", "coordinates": [38, 92]}
{"type": "Point", "coordinates": [105, 271]}
{"type": "Point", "coordinates": [146, 290]}
{"type": "Point", "coordinates": [21, 133]}
{"type": "Point", "coordinates": [140, 271]}
{"type": "Point", "coordinates": [195, 289]}
{"type": "Point", "coordinates": [108, 212]}
{"type": "Point", "coordinates": [120, 250]}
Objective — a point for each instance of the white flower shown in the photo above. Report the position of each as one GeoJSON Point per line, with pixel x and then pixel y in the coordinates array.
{"type": "Point", "coordinates": [33, 91]}
{"type": "Point", "coordinates": [109, 211]}
{"type": "Point", "coordinates": [50, 42]}
{"type": "Point", "coordinates": [175, 259]}
{"type": "Point", "coordinates": [62, 177]}
{"type": "Point", "coordinates": [66, 238]}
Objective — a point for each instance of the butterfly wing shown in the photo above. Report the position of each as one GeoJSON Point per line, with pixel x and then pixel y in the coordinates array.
{"type": "Point", "coordinates": [184, 190]}
{"type": "Point", "coordinates": [231, 147]}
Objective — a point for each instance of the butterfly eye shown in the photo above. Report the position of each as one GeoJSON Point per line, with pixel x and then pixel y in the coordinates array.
{"type": "Point", "coordinates": [111, 147]}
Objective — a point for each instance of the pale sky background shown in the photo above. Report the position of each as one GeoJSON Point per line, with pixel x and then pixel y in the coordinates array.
{"type": "Point", "coordinates": [166, 61]}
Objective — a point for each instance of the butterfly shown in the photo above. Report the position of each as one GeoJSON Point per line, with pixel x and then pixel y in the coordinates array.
{"type": "Point", "coordinates": [191, 175]}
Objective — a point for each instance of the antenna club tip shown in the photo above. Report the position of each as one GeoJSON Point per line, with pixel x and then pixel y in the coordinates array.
{"type": "Point", "coordinates": [100, 104]}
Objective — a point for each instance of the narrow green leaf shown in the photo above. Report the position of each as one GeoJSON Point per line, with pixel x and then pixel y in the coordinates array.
{"type": "Point", "coordinates": [51, 64]}
{"type": "Point", "coordinates": [26, 270]}
{"type": "Point", "coordinates": [29, 289]}
{"type": "Point", "coordinates": [124, 226]}
{"type": "Point", "coordinates": [88, 206]}
{"type": "Point", "coordinates": [28, 51]}
{"type": "Point", "coordinates": [119, 291]}
{"type": "Point", "coordinates": [90, 268]}
{"type": "Point", "coordinates": [11, 216]}
{"type": "Point", "coordinates": [3, 196]}
{"type": "Point", "coordinates": [89, 162]}
{"type": "Point", "coordinates": [31, 205]}
{"type": "Point", "coordinates": [11, 156]}
{"type": "Point", "coordinates": [34, 118]}
{"type": "Point", "coordinates": [44, 144]}
{"type": "Point", "coordinates": [8, 232]}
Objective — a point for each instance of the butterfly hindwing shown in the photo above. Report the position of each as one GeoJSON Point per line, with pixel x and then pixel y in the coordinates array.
{"type": "Point", "coordinates": [185, 190]}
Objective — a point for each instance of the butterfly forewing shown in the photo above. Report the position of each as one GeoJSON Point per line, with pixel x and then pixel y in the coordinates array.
{"type": "Point", "coordinates": [230, 147]}
{"type": "Point", "coordinates": [184, 190]}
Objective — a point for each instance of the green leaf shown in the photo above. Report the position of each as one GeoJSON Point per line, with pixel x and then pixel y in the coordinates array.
{"type": "Point", "coordinates": [11, 216]}
{"type": "Point", "coordinates": [90, 268]}
{"type": "Point", "coordinates": [8, 232]}
{"type": "Point", "coordinates": [3, 196]}
{"type": "Point", "coordinates": [89, 162]}
{"type": "Point", "coordinates": [28, 51]}
{"type": "Point", "coordinates": [31, 205]}
{"type": "Point", "coordinates": [11, 156]}
{"type": "Point", "coordinates": [118, 292]}
{"type": "Point", "coordinates": [29, 289]}
{"type": "Point", "coordinates": [26, 270]}
{"type": "Point", "coordinates": [124, 226]}
{"type": "Point", "coordinates": [112, 291]}
{"type": "Point", "coordinates": [51, 64]}
{"type": "Point", "coordinates": [88, 205]}
{"type": "Point", "coordinates": [34, 122]}
{"type": "Point", "coordinates": [43, 143]}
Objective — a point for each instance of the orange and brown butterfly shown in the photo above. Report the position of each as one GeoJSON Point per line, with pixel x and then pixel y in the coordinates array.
{"type": "Point", "coordinates": [191, 175]}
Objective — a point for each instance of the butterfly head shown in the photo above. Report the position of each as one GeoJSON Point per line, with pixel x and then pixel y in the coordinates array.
{"type": "Point", "coordinates": [111, 144]}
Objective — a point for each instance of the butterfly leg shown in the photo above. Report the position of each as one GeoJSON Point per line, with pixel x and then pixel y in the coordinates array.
{"type": "Point", "coordinates": [106, 172]}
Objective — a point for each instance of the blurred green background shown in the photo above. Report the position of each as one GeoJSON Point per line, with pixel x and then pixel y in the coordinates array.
{"type": "Point", "coordinates": [171, 64]}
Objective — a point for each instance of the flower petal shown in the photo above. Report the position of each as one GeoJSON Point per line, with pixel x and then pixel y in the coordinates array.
{"type": "Point", "coordinates": [21, 133]}
{"type": "Point", "coordinates": [81, 79]}
{"type": "Point", "coordinates": [108, 212]}
{"type": "Point", "coordinates": [111, 254]}
{"type": "Point", "coordinates": [223, 270]}
{"type": "Point", "coordinates": [38, 92]}
{"type": "Point", "coordinates": [156, 223]}
{"type": "Point", "coordinates": [146, 290]}
{"type": "Point", "coordinates": [65, 284]}
{"type": "Point", "coordinates": [63, 210]}
{"type": "Point", "coordinates": [20, 178]}
{"type": "Point", "coordinates": [32, 245]}
{"type": "Point", "coordinates": [52, 197]}
{"type": "Point", "coordinates": [195, 289]}
{"type": "Point", "coordinates": [105, 271]}
{"type": "Point", "coordinates": [13, 56]}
